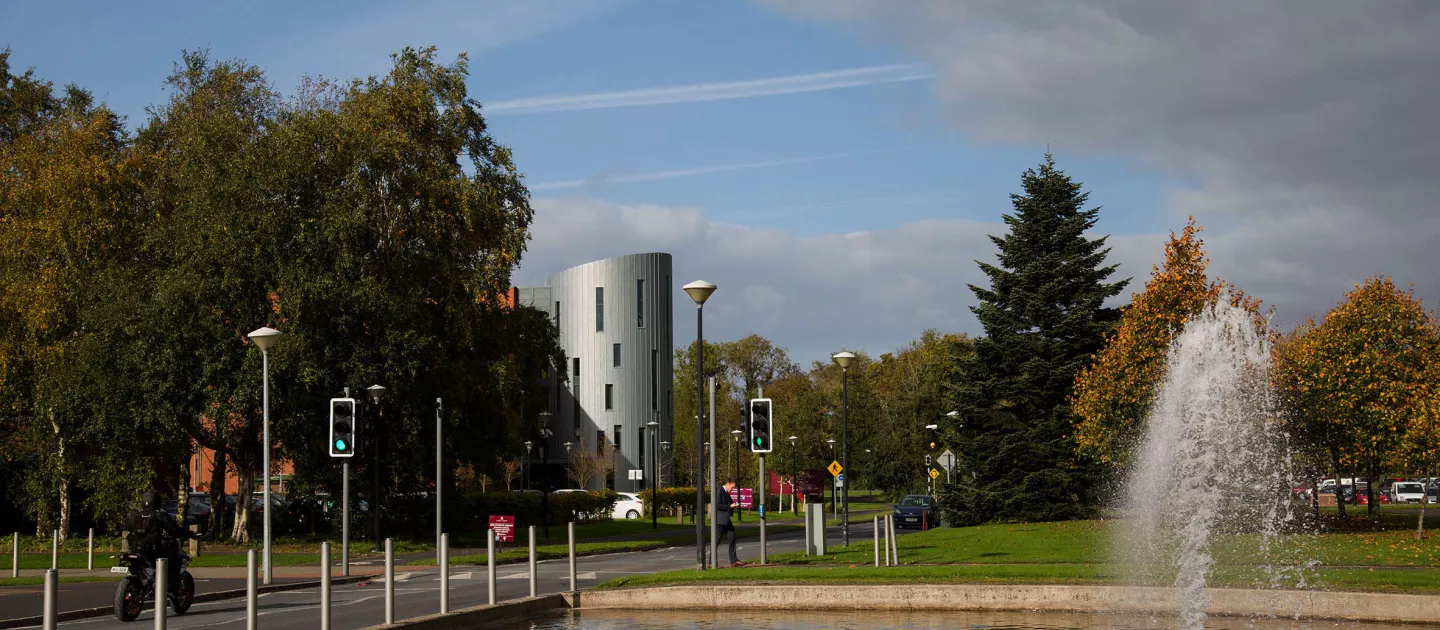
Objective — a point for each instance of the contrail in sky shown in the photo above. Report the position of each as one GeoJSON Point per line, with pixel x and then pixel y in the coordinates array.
{"type": "Point", "coordinates": [701, 92]}
{"type": "Point", "coordinates": [704, 170]}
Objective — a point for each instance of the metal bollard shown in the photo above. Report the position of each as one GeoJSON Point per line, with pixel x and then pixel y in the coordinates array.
{"type": "Point", "coordinates": [325, 585]}
{"type": "Point", "coordinates": [162, 591]}
{"type": "Point", "coordinates": [51, 616]}
{"type": "Point", "coordinates": [444, 573]}
{"type": "Point", "coordinates": [90, 552]}
{"type": "Point", "coordinates": [250, 590]}
{"type": "Point", "coordinates": [534, 579]}
{"type": "Point", "coordinates": [490, 558]}
{"type": "Point", "coordinates": [877, 540]}
{"type": "Point", "coordinates": [894, 544]}
{"type": "Point", "coordinates": [572, 557]}
{"type": "Point", "coordinates": [15, 557]}
{"type": "Point", "coordinates": [389, 580]}
{"type": "Point", "coordinates": [55, 552]}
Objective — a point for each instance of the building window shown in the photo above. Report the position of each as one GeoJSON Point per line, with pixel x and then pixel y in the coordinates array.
{"type": "Point", "coordinates": [575, 391]}
{"type": "Point", "coordinates": [654, 381]}
{"type": "Point", "coordinates": [557, 317]}
{"type": "Point", "coordinates": [616, 350]}
{"type": "Point", "coordinates": [640, 303]}
{"type": "Point", "coordinates": [617, 437]}
{"type": "Point", "coordinates": [599, 442]}
{"type": "Point", "coordinates": [609, 397]}
{"type": "Point", "coordinates": [599, 309]}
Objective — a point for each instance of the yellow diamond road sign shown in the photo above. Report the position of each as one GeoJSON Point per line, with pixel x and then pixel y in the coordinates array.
{"type": "Point", "coordinates": [835, 469]}
{"type": "Point", "coordinates": [934, 473]}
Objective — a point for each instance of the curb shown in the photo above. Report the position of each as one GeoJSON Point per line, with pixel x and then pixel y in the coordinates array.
{"type": "Point", "coordinates": [501, 614]}
{"type": "Point", "coordinates": [87, 613]}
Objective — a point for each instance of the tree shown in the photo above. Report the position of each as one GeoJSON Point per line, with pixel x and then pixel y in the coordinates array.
{"type": "Point", "coordinates": [586, 465]}
{"type": "Point", "coordinates": [1363, 375]}
{"type": "Point", "coordinates": [1044, 317]}
{"type": "Point", "coordinates": [909, 393]}
{"type": "Point", "coordinates": [727, 410]}
{"type": "Point", "coordinates": [1113, 393]}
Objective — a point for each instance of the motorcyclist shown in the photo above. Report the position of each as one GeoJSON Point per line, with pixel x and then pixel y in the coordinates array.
{"type": "Point", "coordinates": [154, 534]}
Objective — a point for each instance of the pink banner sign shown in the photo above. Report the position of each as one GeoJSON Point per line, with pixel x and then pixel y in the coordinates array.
{"type": "Point", "coordinates": [504, 527]}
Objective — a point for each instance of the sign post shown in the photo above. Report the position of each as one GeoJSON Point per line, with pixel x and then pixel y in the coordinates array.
{"type": "Point", "coordinates": [504, 527]}
{"type": "Point", "coordinates": [947, 461]}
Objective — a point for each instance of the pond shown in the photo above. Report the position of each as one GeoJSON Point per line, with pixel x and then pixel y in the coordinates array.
{"type": "Point", "coordinates": [849, 620]}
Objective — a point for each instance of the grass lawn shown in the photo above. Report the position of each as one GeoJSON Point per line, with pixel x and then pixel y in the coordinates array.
{"type": "Point", "coordinates": [518, 551]}
{"type": "Point", "coordinates": [1080, 552]}
{"type": "Point", "coordinates": [36, 580]}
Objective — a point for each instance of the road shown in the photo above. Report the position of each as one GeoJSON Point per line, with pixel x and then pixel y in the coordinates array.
{"type": "Point", "coordinates": [417, 592]}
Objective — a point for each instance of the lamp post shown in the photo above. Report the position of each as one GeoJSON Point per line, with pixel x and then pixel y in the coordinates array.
{"type": "Point", "coordinates": [545, 435]}
{"type": "Point", "coordinates": [655, 472]}
{"type": "Point", "coordinates": [525, 478]}
{"type": "Point", "coordinates": [699, 291]}
{"type": "Point", "coordinates": [376, 392]}
{"type": "Point", "coordinates": [843, 360]}
{"type": "Point", "coordinates": [265, 337]}
{"type": "Point", "coordinates": [736, 447]}
{"type": "Point", "coordinates": [834, 491]}
{"type": "Point", "coordinates": [794, 478]}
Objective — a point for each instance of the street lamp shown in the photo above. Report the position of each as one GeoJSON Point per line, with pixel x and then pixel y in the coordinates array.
{"type": "Point", "coordinates": [834, 493]}
{"type": "Point", "coordinates": [843, 360]}
{"type": "Point", "coordinates": [265, 337]}
{"type": "Point", "coordinates": [376, 392]}
{"type": "Point", "coordinates": [699, 291]}
{"type": "Point", "coordinates": [794, 478]}
{"type": "Point", "coordinates": [655, 471]}
{"type": "Point", "coordinates": [525, 482]}
{"type": "Point", "coordinates": [736, 447]}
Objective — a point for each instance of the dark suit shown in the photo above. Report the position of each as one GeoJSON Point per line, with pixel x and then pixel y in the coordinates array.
{"type": "Point", "coordinates": [723, 523]}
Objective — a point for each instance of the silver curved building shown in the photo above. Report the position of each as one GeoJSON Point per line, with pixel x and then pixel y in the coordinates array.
{"type": "Point", "coordinates": [615, 319]}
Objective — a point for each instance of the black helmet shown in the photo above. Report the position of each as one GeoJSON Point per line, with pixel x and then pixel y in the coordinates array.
{"type": "Point", "coordinates": [151, 500]}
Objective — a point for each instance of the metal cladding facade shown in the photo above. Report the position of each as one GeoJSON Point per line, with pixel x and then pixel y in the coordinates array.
{"type": "Point", "coordinates": [615, 318]}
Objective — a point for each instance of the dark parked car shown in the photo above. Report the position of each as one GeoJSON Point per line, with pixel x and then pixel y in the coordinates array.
{"type": "Point", "coordinates": [916, 510]}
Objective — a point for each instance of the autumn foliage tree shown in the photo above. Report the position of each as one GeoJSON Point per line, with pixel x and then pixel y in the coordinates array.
{"type": "Point", "coordinates": [1113, 393]}
{"type": "Point", "coordinates": [1361, 378]}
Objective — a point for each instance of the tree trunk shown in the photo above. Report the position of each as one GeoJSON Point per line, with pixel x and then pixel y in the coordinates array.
{"type": "Point", "coordinates": [62, 481]}
{"type": "Point", "coordinates": [217, 492]}
{"type": "Point", "coordinates": [1424, 497]}
{"type": "Point", "coordinates": [1373, 474]}
{"type": "Point", "coordinates": [241, 532]}
{"type": "Point", "coordinates": [1315, 494]}
{"type": "Point", "coordinates": [182, 495]}
{"type": "Point", "coordinates": [1339, 489]}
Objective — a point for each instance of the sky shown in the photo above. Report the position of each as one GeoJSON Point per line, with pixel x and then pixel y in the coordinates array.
{"type": "Point", "coordinates": [836, 166]}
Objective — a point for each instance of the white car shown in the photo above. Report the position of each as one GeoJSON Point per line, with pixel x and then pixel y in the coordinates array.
{"type": "Point", "coordinates": [1408, 492]}
{"type": "Point", "coordinates": [628, 505]}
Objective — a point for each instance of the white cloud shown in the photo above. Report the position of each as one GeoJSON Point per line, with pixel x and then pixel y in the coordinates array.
{"type": "Point", "coordinates": [1309, 125]}
{"type": "Point", "coordinates": [813, 294]}
{"type": "Point", "coordinates": [701, 92]}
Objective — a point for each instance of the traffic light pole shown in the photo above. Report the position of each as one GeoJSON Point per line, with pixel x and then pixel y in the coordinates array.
{"type": "Point", "coordinates": [345, 518]}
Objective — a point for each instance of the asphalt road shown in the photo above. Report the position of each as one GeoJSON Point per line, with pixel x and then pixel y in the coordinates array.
{"type": "Point", "coordinates": [417, 592]}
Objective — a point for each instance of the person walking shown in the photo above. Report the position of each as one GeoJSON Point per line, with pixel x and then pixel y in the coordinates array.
{"type": "Point", "coordinates": [723, 512]}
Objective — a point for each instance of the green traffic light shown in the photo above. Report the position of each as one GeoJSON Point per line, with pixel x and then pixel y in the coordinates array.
{"type": "Point", "coordinates": [340, 445]}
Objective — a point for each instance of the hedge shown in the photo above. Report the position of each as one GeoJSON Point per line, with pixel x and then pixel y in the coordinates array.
{"type": "Point", "coordinates": [472, 511]}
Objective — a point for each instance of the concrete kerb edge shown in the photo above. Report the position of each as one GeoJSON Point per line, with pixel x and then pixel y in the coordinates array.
{"type": "Point", "coordinates": [1224, 602]}
{"type": "Point", "coordinates": [485, 616]}
{"type": "Point", "coordinates": [87, 613]}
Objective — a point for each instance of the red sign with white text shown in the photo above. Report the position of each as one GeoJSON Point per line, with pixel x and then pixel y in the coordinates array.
{"type": "Point", "coordinates": [743, 498]}
{"type": "Point", "coordinates": [504, 527]}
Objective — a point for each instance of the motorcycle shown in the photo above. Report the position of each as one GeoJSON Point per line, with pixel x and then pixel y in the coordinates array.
{"type": "Point", "coordinates": [138, 586]}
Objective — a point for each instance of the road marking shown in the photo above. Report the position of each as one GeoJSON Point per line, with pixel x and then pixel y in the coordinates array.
{"type": "Point", "coordinates": [462, 576]}
{"type": "Point", "coordinates": [514, 576]}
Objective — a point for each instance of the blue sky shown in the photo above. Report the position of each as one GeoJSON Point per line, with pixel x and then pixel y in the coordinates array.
{"type": "Point", "coordinates": [810, 201]}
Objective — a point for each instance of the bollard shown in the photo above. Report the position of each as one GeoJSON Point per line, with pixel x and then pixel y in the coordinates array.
{"type": "Point", "coordinates": [325, 585]}
{"type": "Point", "coordinates": [885, 537]}
{"type": "Point", "coordinates": [534, 579]}
{"type": "Point", "coordinates": [444, 573]}
{"type": "Point", "coordinates": [250, 590]}
{"type": "Point", "coordinates": [877, 540]}
{"type": "Point", "coordinates": [55, 552]}
{"type": "Point", "coordinates": [389, 580]}
{"type": "Point", "coordinates": [15, 557]}
{"type": "Point", "coordinates": [90, 552]}
{"type": "Point", "coordinates": [162, 591]}
{"type": "Point", "coordinates": [572, 557]}
{"type": "Point", "coordinates": [51, 616]}
{"type": "Point", "coordinates": [894, 544]}
{"type": "Point", "coordinates": [490, 558]}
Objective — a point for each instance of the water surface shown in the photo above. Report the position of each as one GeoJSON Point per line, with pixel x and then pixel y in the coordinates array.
{"type": "Point", "coordinates": [828, 620]}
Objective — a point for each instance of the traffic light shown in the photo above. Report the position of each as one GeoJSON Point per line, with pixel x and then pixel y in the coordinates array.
{"type": "Point", "coordinates": [342, 427]}
{"type": "Point", "coordinates": [761, 424]}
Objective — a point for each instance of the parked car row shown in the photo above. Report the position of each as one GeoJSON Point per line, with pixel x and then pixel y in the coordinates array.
{"type": "Point", "coordinates": [1357, 491]}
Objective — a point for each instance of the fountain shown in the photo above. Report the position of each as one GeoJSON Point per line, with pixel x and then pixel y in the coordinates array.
{"type": "Point", "coordinates": [1211, 459]}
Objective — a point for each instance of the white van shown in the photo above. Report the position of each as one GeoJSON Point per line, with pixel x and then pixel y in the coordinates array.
{"type": "Point", "coordinates": [1408, 492]}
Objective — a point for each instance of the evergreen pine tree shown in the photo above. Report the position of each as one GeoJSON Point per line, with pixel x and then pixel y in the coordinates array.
{"type": "Point", "coordinates": [1044, 318]}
